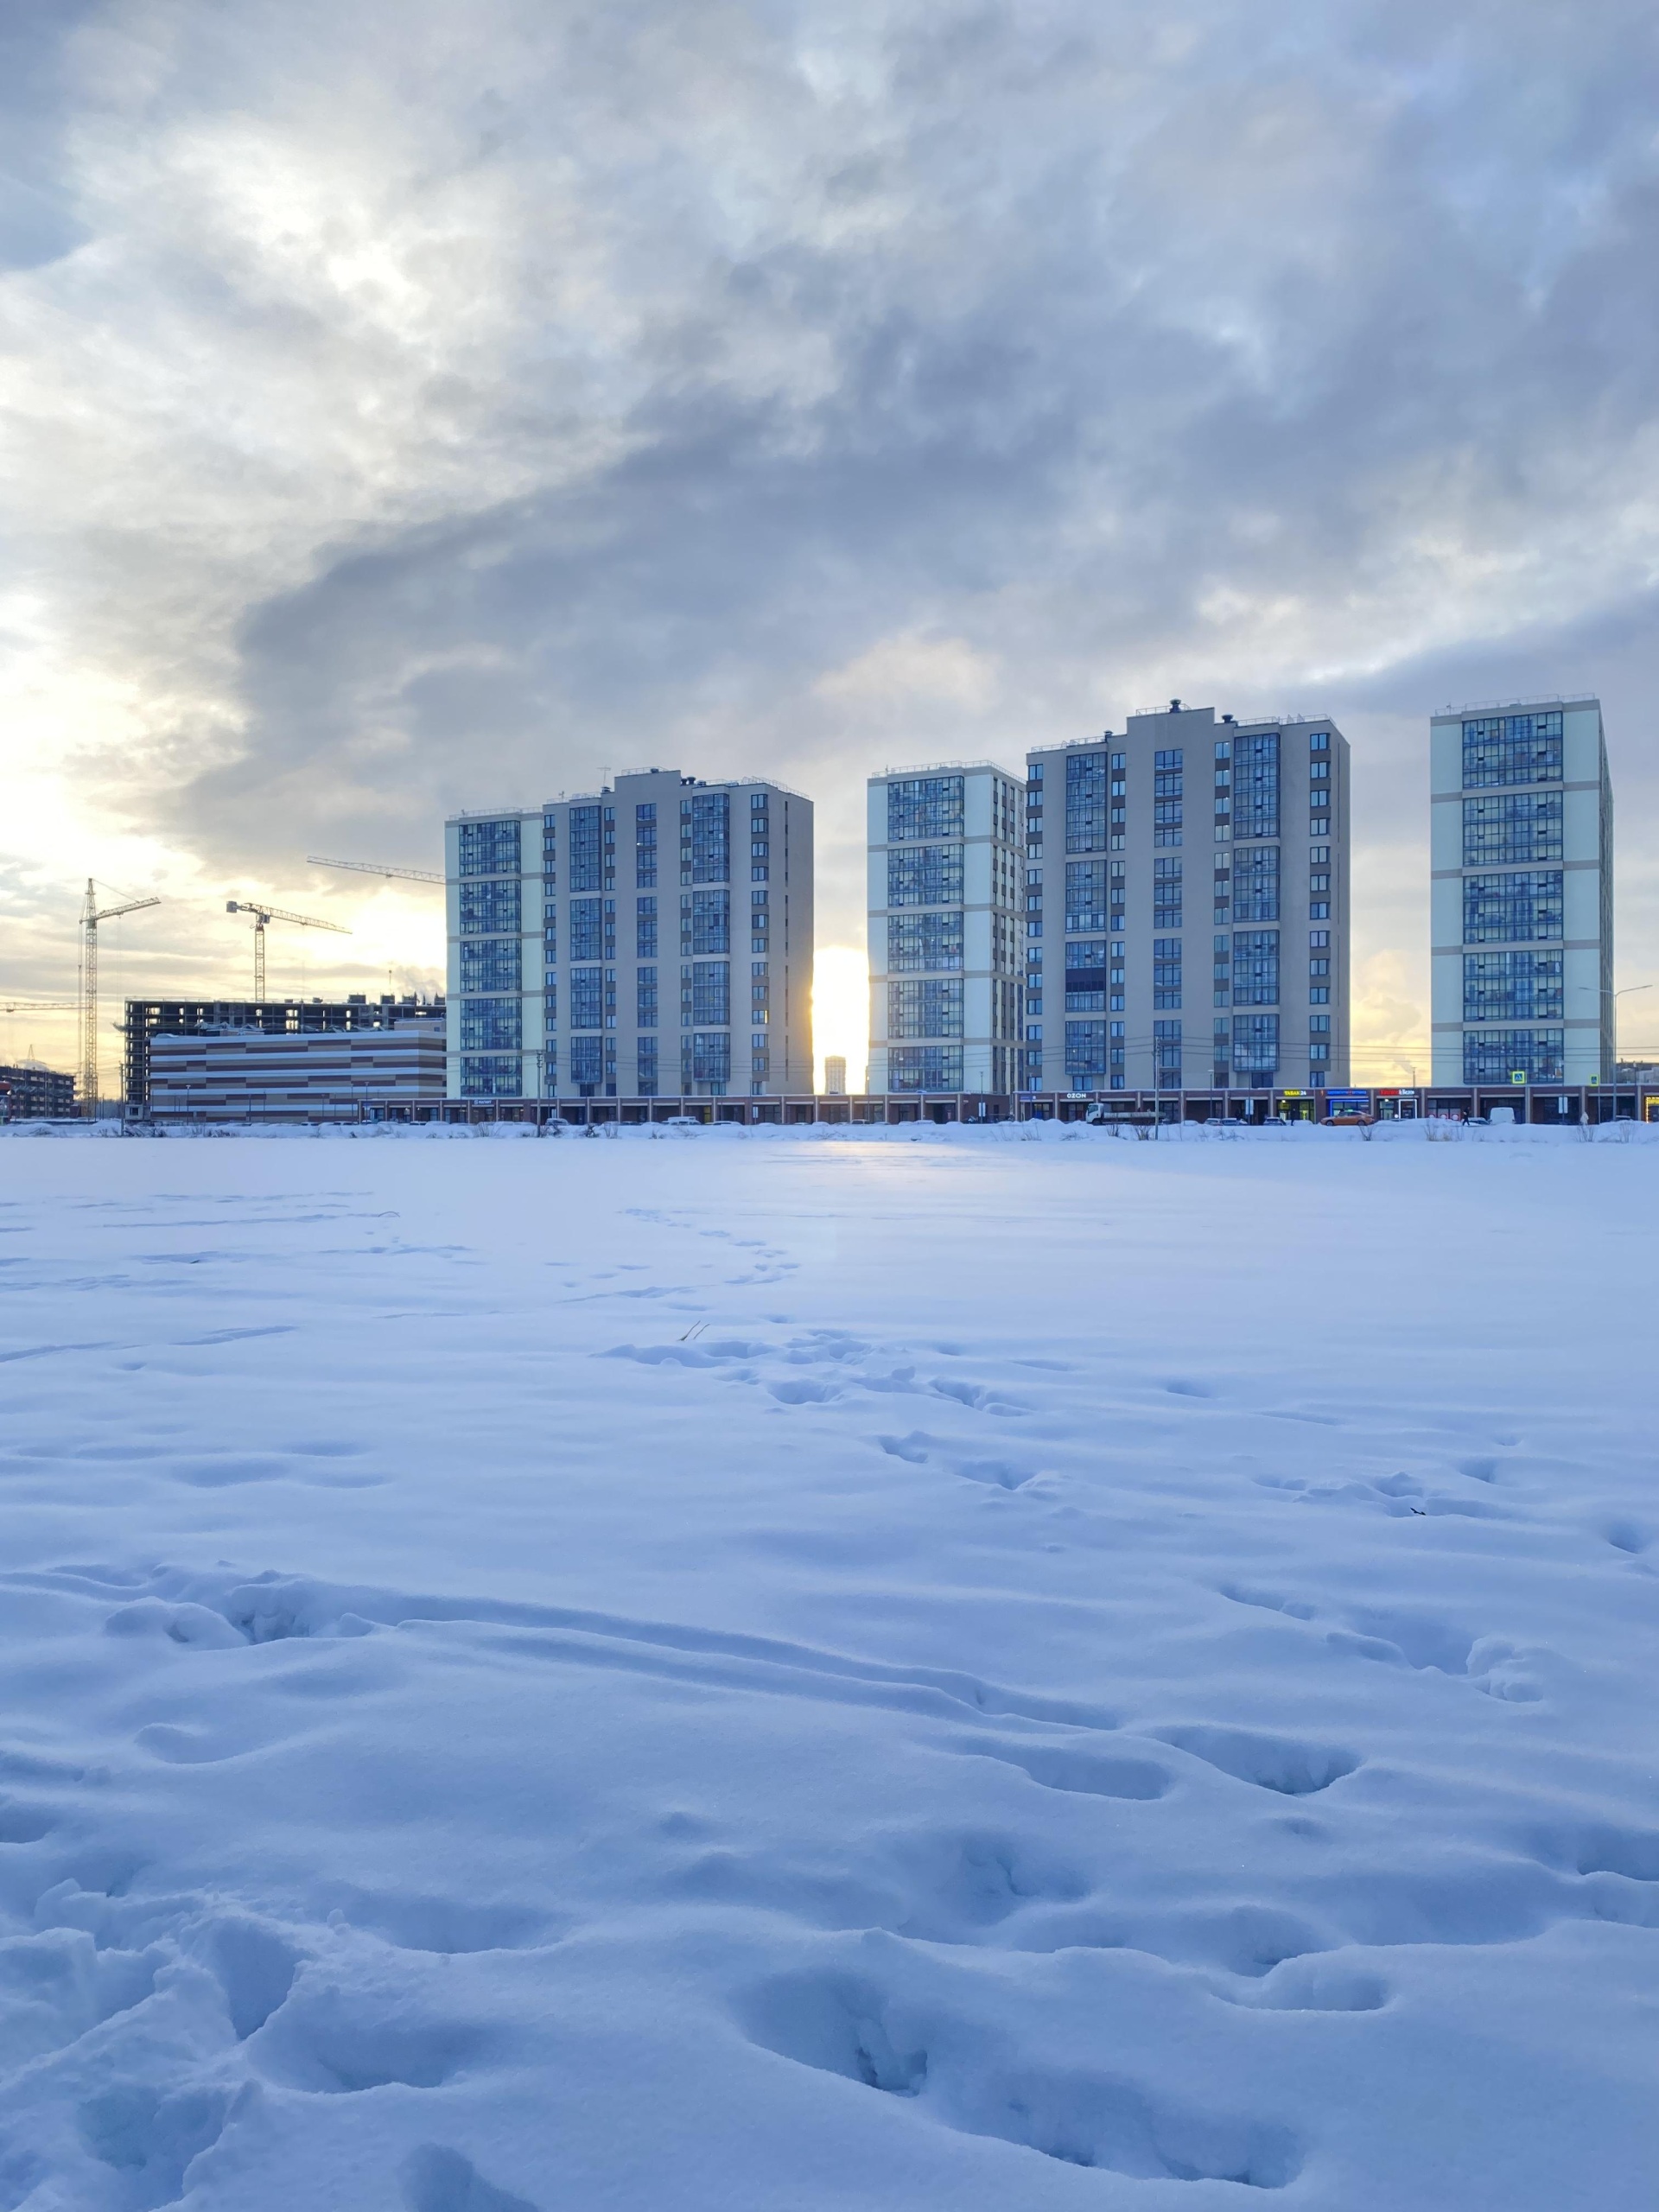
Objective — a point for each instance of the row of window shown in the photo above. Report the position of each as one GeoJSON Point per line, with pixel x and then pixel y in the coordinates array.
{"type": "Point", "coordinates": [495, 849]}
{"type": "Point", "coordinates": [705, 996]}
{"type": "Point", "coordinates": [1512, 749]}
{"type": "Point", "coordinates": [1512, 826]}
{"type": "Point", "coordinates": [1247, 792]}
{"type": "Point", "coordinates": [496, 909]}
{"type": "Point", "coordinates": [705, 1063]}
{"type": "Point", "coordinates": [1248, 1045]}
{"type": "Point", "coordinates": [1513, 986]}
{"type": "Point", "coordinates": [1499, 1055]}
{"type": "Point", "coordinates": [920, 807]}
{"type": "Point", "coordinates": [1524, 908]}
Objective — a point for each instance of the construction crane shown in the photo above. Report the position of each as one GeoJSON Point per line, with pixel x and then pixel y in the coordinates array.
{"type": "Point", "coordinates": [40, 1006]}
{"type": "Point", "coordinates": [91, 915]}
{"type": "Point", "coordinates": [376, 867]}
{"type": "Point", "coordinates": [262, 914]}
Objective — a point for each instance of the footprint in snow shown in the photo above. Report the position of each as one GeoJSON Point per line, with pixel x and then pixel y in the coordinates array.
{"type": "Point", "coordinates": [436, 2179]}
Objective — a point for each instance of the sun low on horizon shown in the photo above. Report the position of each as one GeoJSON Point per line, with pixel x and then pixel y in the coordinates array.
{"type": "Point", "coordinates": [840, 1010]}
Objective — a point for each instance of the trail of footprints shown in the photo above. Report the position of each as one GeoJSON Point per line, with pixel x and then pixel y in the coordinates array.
{"type": "Point", "coordinates": [884, 1991]}
{"type": "Point", "coordinates": [820, 1366]}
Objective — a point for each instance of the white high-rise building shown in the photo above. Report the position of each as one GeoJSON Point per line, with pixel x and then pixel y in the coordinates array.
{"type": "Point", "coordinates": [653, 940]}
{"type": "Point", "coordinates": [945, 929]}
{"type": "Point", "coordinates": [1522, 898]}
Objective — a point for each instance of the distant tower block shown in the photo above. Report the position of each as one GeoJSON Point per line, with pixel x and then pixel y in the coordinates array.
{"type": "Point", "coordinates": [1522, 893]}
{"type": "Point", "coordinates": [835, 1075]}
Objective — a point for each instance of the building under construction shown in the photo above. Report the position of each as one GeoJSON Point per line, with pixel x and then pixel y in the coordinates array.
{"type": "Point", "coordinates": [273, 1021]}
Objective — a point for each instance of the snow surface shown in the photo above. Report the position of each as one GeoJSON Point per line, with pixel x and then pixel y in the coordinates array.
{"type": "Point", "coordinates": [767, 1673]}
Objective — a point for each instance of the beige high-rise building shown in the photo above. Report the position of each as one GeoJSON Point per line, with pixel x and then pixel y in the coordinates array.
{"type": "Point", "coordinates": [652, 939]}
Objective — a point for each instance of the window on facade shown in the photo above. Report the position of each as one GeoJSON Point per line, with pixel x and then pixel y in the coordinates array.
{"type": "Point", "coordinates": [706, 921]}
{"type": "Point", "coordinates": [1085, 1053]}
{"type": "Point", "coordinates": [1085, 803]}
{"type": "Point", "coordinates": [1512, 826]}
{"type": "Point", "coordinates": [924, 875]}
{"type": "Point", "coordinates": [489, 848]}
{"type": "Point", "coordinates": [921, 809]}
{"type": "Point", "coordinates": [644, 845]}
{"type": "Point", "coordinates": [1512, 986]}
{"type": "Point", "coordinates": [924, 1067]}
{"type": "Point", "coordinates": [645, 928]}
{"type": "Point", "coordinates": [1166, 1053]}
{"type": "Point", "coordinates": [706, 836]}
{"type": "Point", "coordinates": [1512, 749]}
{"type": "Point", "coordinates": [1256, 786]}
{"type": "Point", "coordinates": [491, 1077]}
{"type": "Point", "coordinates": [1085, 977]}
{"type": "Point", "coordinates": [646, 1067]}
{"type": "Point", "coordinates": [492, 1025]}
{"type": "Point", "coordinates": [1255, 884]}
{"type": "Point", "coordinates": [931, 1008]}
{"type": "Point", "coordinates": [1524, 908]}
{"type": "Point", "coordinates": [1166, 972]}
{"type": "Point", "coordinates": [587, 998]}
{"type": "Point", "coordinates": [586, 866]}
{"type": "Point", "coordinates": [711, 992]}
{"type": "Point", "coordinates": [1496, 1055]}
{"type": "Point", "coordinates": [493, 964]}
{"type": "Point", "coordinates": [1256, 966]}
{"type": "Point", "coordinates": [489, 908]}
{"type": "Point", "coordinates": [706, 1058]}
{"type": "Point", "coordinates": [645, 993]}
{"type": "Point", "coordinates": [1166, 889]}
{"type": "Point", "coordinates": [1256, 1043]}
{"type": "Point", "coordinates": [585, 1064]}
{"type": "Point", "coordinates": [918, 942]}
{"type": "Point", "coordinates": [1085, 895]}
{"type": "Point", "coordinates": [586, 929]}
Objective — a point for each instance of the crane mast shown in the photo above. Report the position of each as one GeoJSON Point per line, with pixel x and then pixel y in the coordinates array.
{"type": "Point", "coordinates": [91, 915]}
{"type": "Point", "coordinates": [263, 914]}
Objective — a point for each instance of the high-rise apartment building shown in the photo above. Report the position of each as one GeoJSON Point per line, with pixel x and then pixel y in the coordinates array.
{"type": "Point", "coordinates": [945, 929]}
{"type": "Point", "coordinates": [1522, 842]}
{"type": "Point", "coordinates": [648, 940]}
{"type": "Point", "coordinates": [1186, 895]}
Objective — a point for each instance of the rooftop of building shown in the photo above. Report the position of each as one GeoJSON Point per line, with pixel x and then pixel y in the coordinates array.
{"type": "Point", "coordinates": [608, 791]}
{"type": "Point", "coordinates": [946, 768]}
{"type": "Point", "coordinates": [1530, 705]}
{"type": "Point", "coordinates": [1296, 719]}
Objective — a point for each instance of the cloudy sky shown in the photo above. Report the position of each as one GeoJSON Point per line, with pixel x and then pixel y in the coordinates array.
{"type": "Point", "coordinates": [417, 403]}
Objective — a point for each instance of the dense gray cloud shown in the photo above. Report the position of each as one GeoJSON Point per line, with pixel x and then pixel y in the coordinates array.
{"type": "Point", "coordinates": [435, 405]}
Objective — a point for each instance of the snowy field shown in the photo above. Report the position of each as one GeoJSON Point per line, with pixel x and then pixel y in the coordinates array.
{"type": "Point", "coordinates": [776, 1673]}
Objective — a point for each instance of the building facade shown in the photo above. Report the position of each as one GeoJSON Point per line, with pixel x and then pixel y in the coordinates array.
{"type": "Point", "coordinates": [32, 1092]}
{"type": "Point", "coordinates": [371, 1073]}
{"type": "Point", "coordinates": [1186, 906]}
{"type": "Point", "coordinates": [945, 849]}
{"type": "Point", "coordinates": [146, 1020]}
{"type": "Point", "coordinates": [651, 939]}
{"type": "Point", "coordinates": [1522, 842]}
